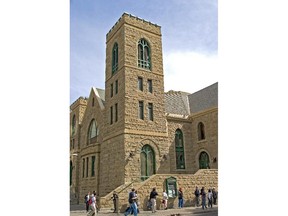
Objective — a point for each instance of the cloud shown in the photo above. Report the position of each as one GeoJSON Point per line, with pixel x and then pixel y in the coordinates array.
{"type": "Point", "coordinates": [189, 71]}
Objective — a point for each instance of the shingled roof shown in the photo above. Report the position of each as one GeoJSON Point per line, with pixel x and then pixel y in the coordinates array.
{"type": "Point", "coordinates": [204, 99]}
{"type": "Point", "coordinates": [176, 102]}
{"type": "Point", "coordinates": [183, 103]}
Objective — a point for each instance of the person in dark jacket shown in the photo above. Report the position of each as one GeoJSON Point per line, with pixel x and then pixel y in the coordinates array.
{"type": "Point", "coordinates": [197, 196]}
{"type": "Point", "coordinates": [115, 201]}
{"type": "Point", "coordinates": [153, 195]}
{"type": "Point", "coordinates": [203, 196]}
{"type": "Point", "coordinates": [180, 198]}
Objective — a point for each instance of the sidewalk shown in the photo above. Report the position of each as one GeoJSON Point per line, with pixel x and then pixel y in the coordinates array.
{"type": "Point", "coordinates": [75, 211]}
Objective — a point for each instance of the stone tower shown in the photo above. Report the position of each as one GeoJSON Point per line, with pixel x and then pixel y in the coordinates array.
{"type": "Point", "coordinates": [135, 136]}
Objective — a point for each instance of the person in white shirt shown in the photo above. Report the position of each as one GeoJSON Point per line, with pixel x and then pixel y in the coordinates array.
{"type": "Point", "coordinates": [210, 195]}
{"type": "Point", "coordinates": [165, 199]}
{"type": "Point", "coordinates": [92, 206]}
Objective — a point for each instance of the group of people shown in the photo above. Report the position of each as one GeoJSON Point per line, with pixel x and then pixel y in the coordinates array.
{"type": "Point", "coordinates": [133, 208]}
{"type": "Point", "coordinates": [211, 196]}
{"type": "Point", "coordinates": [91, 201]}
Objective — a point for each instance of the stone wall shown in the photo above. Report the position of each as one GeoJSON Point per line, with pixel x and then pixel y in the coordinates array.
{"type": "Point", "coordinates": [207, 178]}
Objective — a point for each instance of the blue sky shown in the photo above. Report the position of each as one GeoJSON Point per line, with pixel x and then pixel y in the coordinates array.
{"type": "Point", "coordinates": [189, 38]}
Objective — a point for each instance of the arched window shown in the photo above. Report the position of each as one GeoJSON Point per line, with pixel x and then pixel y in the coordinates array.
{"type": "Point", "coordinates": [179, 148]}
{"type": "Point", "coordinates": [114, 58]}
{"type": "Point", "coordinates": [201, 131]}
{"type": "Point", "coordinates": [147, 162]}
{"type": "Point", "coordinates": [144, 59]}
{"type": "Point", "coordinates": [73, 125]}
{"type": "Point", "coordinates": [92, 132]}
{"type": "Point", "coordinates": [203, 161]}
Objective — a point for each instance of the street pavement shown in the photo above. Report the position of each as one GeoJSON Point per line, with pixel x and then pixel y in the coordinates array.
{"type": "Point", "coordinates": [79, 210]}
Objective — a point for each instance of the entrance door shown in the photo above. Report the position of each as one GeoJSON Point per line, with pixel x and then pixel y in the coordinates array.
{"type": "Point", "coordinates": [147, 162]}
{"type": "Point", "coordinates": [203, 160]}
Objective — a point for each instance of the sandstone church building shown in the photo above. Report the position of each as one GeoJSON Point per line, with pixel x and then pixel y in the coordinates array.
{"type": "Point", "coordinates": [133, 134]}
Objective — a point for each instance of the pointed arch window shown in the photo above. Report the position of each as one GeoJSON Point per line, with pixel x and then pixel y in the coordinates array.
{"type": "Point", "coordinates": [201, 131]}
{"type": "Point", "coordinates": [147, 162]}
{"type": "Point", "coordinates": [114, 58]}
{"type": "Point", "coordinates": [179, 148]}
{"type": "Point", "coordinates": [144, 59]}
{"type": "Point", "coordinates": [203, 160]}
{"type": "Point", "coordinates": [92, 132]}
{"type": "Point", "coordinates": [73, 125]}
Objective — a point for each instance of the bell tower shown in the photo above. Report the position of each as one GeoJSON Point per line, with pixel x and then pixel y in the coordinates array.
{"type": "Point", "coordinates": [134, 100]}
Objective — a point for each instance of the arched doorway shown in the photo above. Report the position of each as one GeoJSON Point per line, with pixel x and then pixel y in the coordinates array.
{"type": "Point", "coordinates": [147, 162]}
{"type": "Point", "coordinates": [203, 160]}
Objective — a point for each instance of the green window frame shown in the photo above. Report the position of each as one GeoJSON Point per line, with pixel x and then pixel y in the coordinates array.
{"type": "Point", "coordinates": [150, 87]}
{"type": "Point", "coordinates": [141, 110]}
{"type": "Point", "coordinates": [147, 157]}
{"type": "Point", "coordinates": [73, 125]}
{"type": "Point", "coordinates": [150, 111]}
{"type": "Point", "coordinates": [144, 59]}
{"type": "Point", "coordinates": [116, 112]}
{"type": "Point", "coordinates": [111, 115]}
{"type": "Point", "coordinates": [179, 149]}
{"type": "Point", "coordinates": [87, 166]}
{"type": "Point", "coordinates": [93, 166]}
{"type": "Point", "coordinates": [204, 160]}
{"type": "Point", "coordinates": [114, 58]}
{"type": "Point", "coordinates": [116, 87]}
{"type": "Point", "coordinates": [83, 167]}
{"type": "Point", "coordinates": [111, 90]}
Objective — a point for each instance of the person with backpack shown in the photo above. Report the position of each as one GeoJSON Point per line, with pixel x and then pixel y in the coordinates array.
{"type": "Point", "coordinates": [92, 206]}
{"type": "Point", "coordinates": [132, 202]}
{"type": "Point", "coordinates": [86, 199]}
{"type": "Point", "coordinates": [197, 196]}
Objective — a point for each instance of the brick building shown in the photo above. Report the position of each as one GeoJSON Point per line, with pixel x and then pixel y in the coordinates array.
{"type": "Point", "coordinates": [133, 133]}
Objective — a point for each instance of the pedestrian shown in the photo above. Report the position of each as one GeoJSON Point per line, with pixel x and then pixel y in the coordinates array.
{"type": "Point", "coordinates": [86, 199]}
{"type": "Point", "coordinates": [92, 206]}
{"type": "Point", "coordinates": [165, 199]}
{"type": "Point", "coordinates": [137, 201]}
{"type": "Point", "coordinates": [96, 201]}
{"type": "Point", "coordinates": [115, 201]}
{"type": "Point", "coordinates": [215, 195]}
{"type": "Point", "coordinates": [210, 195]}
{"type": "Point", "coordinates": [180, 198]}
{"type": "Point", "coordinates": [132, 202]}
{"type": "Point", "coordinates": [197, 196]}
{"type": "Point", "coordinates": [153, 195]}
{"type": "Point", "coordinates": [203, 197]}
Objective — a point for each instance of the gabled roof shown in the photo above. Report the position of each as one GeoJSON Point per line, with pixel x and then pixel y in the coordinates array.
{"type": "Point", "coordinates": [100, 96]}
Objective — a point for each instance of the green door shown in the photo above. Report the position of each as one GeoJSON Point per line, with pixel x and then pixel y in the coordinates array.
{"type": "Point", "coordinates": [203, 160]}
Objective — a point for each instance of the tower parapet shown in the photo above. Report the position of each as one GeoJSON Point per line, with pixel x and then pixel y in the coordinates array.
{"type": "Point", "coordinates": [134, 21]}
